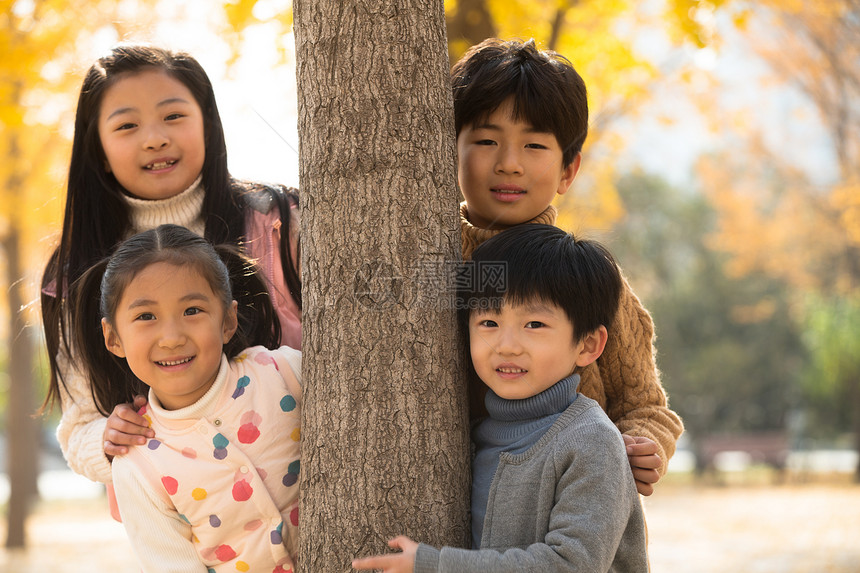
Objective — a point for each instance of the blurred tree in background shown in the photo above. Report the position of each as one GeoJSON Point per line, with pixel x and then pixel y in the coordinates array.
{"type": "Point", "coordinates": [730, 354]}
{"type": "Point", "coordinates": [801, 229]}
{"type": "Point", "coordinates": [38, 40]}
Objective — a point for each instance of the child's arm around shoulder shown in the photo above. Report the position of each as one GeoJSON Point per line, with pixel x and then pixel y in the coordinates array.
{"type": "Point", "coordinates": [635, 399]}
{"type": "Point", "coordinates": [161, 539]}
{"type": "Point", "coordinates": [81, 429]}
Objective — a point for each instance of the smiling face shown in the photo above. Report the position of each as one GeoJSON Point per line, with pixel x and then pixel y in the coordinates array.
{"type": "Point", "coordinates": [521, 350]}
{"type": "Point", "coordinates": [151, 130]}
{"type": "Point", "coordinates": [171, 327]}
{"type": "Point", "coordinates": [509, 173]}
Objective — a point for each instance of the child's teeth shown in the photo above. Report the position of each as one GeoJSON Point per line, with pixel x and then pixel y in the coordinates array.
{"type": "Point", "coordinates": [174, 362]}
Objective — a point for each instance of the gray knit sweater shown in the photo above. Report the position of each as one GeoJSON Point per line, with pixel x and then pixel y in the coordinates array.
{"type": "Point", "coordinates": [568, 503]}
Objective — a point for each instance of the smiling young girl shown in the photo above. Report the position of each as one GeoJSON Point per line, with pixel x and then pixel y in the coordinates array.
{"type": "Point", "coordinates": [149, 149]}
{"type": "Point", "coordinates": [216, 487]}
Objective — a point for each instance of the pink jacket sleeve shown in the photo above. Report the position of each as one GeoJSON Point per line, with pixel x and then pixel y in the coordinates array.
{"type": "Point", "coordinates": [263, 232]}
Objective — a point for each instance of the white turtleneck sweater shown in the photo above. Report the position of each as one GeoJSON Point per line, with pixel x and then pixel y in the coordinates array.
{"type": "Point", "coordinates": [185, 209]}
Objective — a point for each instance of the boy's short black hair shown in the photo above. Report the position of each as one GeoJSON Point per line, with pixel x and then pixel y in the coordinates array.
{"type": "Point", "coordinates": [547, 90]}
{"type": "Point", "coordinates": [541, 263]}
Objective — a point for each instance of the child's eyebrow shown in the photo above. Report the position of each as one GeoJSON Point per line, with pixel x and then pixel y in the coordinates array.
{"type": "Point", "coordinates": [120, 111]}
{"type": "Point", "coordinates": [495, 311]}
{"type": "Point", "coordinates": [538, 308]}
{"type": "Point", "coordinates": [168, 101]}
{"type": "Point", "coordinates": [486, 125]}
{"type": "Point", "coordinates": [190, 297]}
{"type": "Point", "coordinates": [171, 100]}
{"type": "Point", "coordinates": [493, 127]}
{"type": "Point", "coordinates": [139, 303]}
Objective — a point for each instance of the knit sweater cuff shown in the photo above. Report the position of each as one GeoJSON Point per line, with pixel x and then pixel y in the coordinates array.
{"type": "Point", "coordinates": [426, 559]}
{"type": "Point", "coordinates": [91, 461]}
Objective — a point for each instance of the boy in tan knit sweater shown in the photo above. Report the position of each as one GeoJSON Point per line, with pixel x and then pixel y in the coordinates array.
{"type": "Point", "coordinates": [521, 117]}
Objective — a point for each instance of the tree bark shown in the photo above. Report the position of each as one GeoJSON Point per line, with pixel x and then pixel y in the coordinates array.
{"type": "Point", "coordinates": [385, 430]}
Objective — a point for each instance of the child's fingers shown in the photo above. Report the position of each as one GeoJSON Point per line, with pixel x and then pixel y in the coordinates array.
{"type": "Point", "coordinates": [125, 417]}
{"type": "Point", "coordinates": [646, 475]}
{"type": "Point", "coordinates": [644, 488]}
{"type": "Point", "coordinates": [130, 424]}
{"type": "Point", "coordinates": [125, 427]}
{"type": "Point", "coordinates": [112, 450]}
{"type": "Point", "coordinates": [639, 445]}
{"type": "Point", "coordinates": [405, 544]}
{"type": "Point", "coordinates": [368, 563]}
{"type": "Point", "coordinates": [651, 462]}
{"type": "Point", "coordinates": [398, 542]}
{"type": "Point", "coordinates": [126, 434]}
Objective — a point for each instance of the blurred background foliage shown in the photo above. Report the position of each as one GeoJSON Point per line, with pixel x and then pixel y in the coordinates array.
{"type": "Point", "coordinates": [722, 167]}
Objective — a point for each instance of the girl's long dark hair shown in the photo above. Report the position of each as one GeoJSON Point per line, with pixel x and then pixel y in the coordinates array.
{"type": "Point", "coordinates": [97, 292]}
{"type": "Point", "coordinates": [97, 218]}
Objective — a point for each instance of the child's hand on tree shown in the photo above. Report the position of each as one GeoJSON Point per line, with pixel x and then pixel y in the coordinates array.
{"type": "Point", "coordinates": [403, 562]}
{"type": "Point", "coordinates": [644, 461]}
{"type": "Point", "coordinates": [125, 427]}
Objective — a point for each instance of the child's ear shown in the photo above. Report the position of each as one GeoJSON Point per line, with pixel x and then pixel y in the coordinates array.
{"type": "Point", "coordinates": [568, 174]}
{"type": "Point", "coordinates": [591, 347]}
{"type": "Point", "coordinates": [112, 341]}
{"type": "Point", "coordinates": [231, 322]}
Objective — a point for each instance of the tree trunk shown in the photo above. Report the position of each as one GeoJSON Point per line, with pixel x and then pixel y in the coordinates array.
{"type": "Point", "coordinates": [22, 428]}
{"type": "Point", "coordinates": [385, 431]}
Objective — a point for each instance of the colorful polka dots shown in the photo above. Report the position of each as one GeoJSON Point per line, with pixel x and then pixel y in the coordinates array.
{"type": "Point", "coordinates": [220, 443]}
{"type": "Point", "coordinates": [242, 490]}
{"type": "Point", "coordinates": [233, 473]}
{"type": "Point", "coordinates": [249, 430]}
{"type": "Point", "coordinates": [277, 534]}
{"type": "Point", "coordinates": [170, 484]}
{"type": "Point", "coordinates": [265, 359]}
{"type": "Point", "coordinates": [288, 403]}
{"type": "Point", "coordinates": [243, 383]}
{"type": "Point", "coordinates": [224, 553]}
{"type": "Point", "coordinates": [292, 475]}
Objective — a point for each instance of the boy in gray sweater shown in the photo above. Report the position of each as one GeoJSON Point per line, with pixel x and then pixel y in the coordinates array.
{"type": "Point", "coordinates": [552, 489]}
